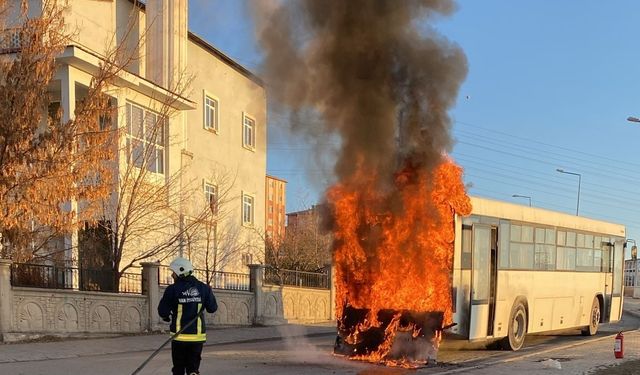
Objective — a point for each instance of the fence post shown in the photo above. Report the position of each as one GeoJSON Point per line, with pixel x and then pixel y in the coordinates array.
{"type": "Point", "coordinates": [151, 289]}
{"type": "Point", "coordinates": [6, 297]}
{"type": "Point", "coordinates": [256, 277]}
{"type": "Point", "coordinates": [332, 290]}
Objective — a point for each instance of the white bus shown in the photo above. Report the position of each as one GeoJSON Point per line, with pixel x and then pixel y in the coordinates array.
{"type": "Point", "coordinates": [520, 270]}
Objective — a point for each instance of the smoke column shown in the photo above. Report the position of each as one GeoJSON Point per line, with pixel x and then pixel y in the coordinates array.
{"type": "Point", "coordinates": [379, 83]}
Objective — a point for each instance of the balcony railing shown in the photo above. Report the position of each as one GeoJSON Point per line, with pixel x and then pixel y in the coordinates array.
{"type": "Point", "coordinates": [273, 276]}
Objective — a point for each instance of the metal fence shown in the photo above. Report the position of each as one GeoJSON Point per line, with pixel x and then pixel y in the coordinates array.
{"type": "Point", "coordinates": [216, 279]}
{"type": "Point", "coordinates": [86, 279]}
{"type": "Point", "coordinates": [273, 276]}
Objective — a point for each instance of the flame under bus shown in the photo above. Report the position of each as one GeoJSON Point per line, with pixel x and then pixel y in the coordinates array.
{"type": "Point", "coordinates": [520, 270]}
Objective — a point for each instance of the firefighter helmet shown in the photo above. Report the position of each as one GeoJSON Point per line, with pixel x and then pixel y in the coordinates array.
{"type": "Point", "coordinates": [181, 266]}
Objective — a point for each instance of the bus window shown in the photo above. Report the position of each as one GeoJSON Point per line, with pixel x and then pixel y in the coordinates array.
{"type": "Point", "coordinates": [521, 256]}
{"type": "Point", "coordinates": [550, 236]}
{"type": "Point", "coordinates": [588, 241]}
{"type": "Point", "coordinates": [597, 260]}
{"type": "Point", "coordinates": [545, 255]}
{"type": "Point", "coordinates": [503, 246]}
{"type": "Point", "coordinates": [571, 239]}
{"type": "Point", "coordinates": [481, 264]}
{"type": "Point", "coordinates": [617, 268]}
{"type": "Point", "coordinates": [566, 258]}
{"type": "Point", "coordinates": [527, 234]}
{"type": "Point", "coordinates": [465, 259]}
{"type": "Point", "coordinates": [606, 257]}
{"type": "Point", "coordinates": [539, 235]}
{"type": "Point", "coordinates": [521, 251]}
{"type": "Point", "coordinates": [584, 260]}
{"type": "Point", "coordinates": [516, 233]}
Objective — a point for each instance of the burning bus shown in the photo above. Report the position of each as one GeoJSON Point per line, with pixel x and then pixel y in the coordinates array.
{"type": "Point", "coordinates": [488, 271]}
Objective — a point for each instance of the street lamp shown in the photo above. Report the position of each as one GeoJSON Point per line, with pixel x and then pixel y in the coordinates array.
{"type": "Point", "coordinates": [579, 182]}
{"type": "Point", "coordinates": [522, 196]}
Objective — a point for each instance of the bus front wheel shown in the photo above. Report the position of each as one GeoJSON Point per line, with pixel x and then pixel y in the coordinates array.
{"type": "Point", "coordinates": [517, 328]}
{"type": "Point", "coordinates": [594, 319]}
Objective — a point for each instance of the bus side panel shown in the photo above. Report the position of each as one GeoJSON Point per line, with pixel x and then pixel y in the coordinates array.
{"type": "Point", "coordinates": [461, 288]}
{"type": "Point", "coordinates": [565, 312]}
{"type": "Point", "coordinates": [478, 326]}
{"type": "Point", "coordinates": [616, 302]}
{"type": "Point", "coordinates": [555, 300]}
{"type": "Point", "coordinates": [503, 309]}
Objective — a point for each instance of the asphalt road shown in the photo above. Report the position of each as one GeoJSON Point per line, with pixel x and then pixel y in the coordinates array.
{"type": "Point", "coordinates": [314, 356]}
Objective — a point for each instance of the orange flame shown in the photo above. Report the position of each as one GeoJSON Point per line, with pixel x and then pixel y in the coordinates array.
{"type": "Point", "coordinates": [394, 250]}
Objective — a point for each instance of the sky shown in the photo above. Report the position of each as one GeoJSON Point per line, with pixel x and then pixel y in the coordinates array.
{"type": "Point", "coordinates": [550, 85]}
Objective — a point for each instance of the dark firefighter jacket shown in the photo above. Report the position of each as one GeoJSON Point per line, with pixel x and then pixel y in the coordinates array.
{"type": "Point", "coordinates": [182, 301]}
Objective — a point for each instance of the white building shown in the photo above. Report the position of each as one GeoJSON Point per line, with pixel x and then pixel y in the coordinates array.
{"type": "Point", "coordinates": [216, 128]}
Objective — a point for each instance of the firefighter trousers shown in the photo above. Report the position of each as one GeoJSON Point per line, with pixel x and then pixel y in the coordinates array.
{"type": "Point", "coordinates": [186, 357]}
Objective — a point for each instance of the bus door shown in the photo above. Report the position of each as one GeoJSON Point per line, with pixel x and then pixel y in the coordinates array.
{"type": "Point", "coordinates": [484, 273]}
{"type": "Point", "coordinates": [617, 267]}
{"type": "Point", "coordinates": [608, 258]}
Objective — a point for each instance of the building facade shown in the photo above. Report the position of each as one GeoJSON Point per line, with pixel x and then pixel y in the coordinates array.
{"type": "Point", "coordinates": [276, 202]}
{"type": "Point", "coordinates": [211, 146]}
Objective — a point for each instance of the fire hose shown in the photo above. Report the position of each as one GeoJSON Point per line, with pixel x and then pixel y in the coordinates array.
{"type": "Point", "coordinates": [168, 341]}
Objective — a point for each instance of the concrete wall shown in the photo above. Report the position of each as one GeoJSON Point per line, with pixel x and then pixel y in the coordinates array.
{"type": "Point", "coordinates": [69, 311]}
{"type": "Point", "coordinates": [33, 312]}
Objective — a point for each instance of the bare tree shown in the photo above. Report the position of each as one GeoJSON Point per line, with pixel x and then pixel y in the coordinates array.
{"type": "Point", "coordinates": [305, 246]}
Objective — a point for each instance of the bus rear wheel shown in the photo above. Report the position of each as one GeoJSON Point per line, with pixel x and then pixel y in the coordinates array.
{"type": "Point", "coordinates": [594, 319]}
{"type": "Point", "coordinates": [517, 328]}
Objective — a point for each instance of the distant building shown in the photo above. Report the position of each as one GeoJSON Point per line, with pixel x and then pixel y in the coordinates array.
{"type": "Point", "coordinates": [276, 201]}
{"type": "Point", "coordinates": [307, 217]}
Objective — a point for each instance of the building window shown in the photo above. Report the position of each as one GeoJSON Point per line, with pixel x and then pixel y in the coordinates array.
{"type": "Point", "coordinates": [211, 196]}
{"type": "Point", "coordinates": [210, 113]}
{"type": "Point", "coordinates": [248, 132]}
{"type": "Point", "coordinates": [247, 209]}
{"type": "Point", "coordinates": [247, 259]}
{"type": "Point", "coordinates": [145, 139]}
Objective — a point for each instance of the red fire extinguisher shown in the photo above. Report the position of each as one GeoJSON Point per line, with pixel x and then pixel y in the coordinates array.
{"type": "Point", "coordinates": [618, 346]}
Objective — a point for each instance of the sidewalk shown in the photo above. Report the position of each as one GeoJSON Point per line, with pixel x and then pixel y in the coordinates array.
{"type": "Point", "coordinates": [215, 336]}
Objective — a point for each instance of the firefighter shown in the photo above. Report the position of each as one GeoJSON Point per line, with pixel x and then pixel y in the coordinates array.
{"type": "Point", "coordinates": [182, 304]}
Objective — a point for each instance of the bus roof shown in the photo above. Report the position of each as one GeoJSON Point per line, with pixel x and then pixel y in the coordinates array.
{"type": "Point", "coordinates": [518, 212]}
